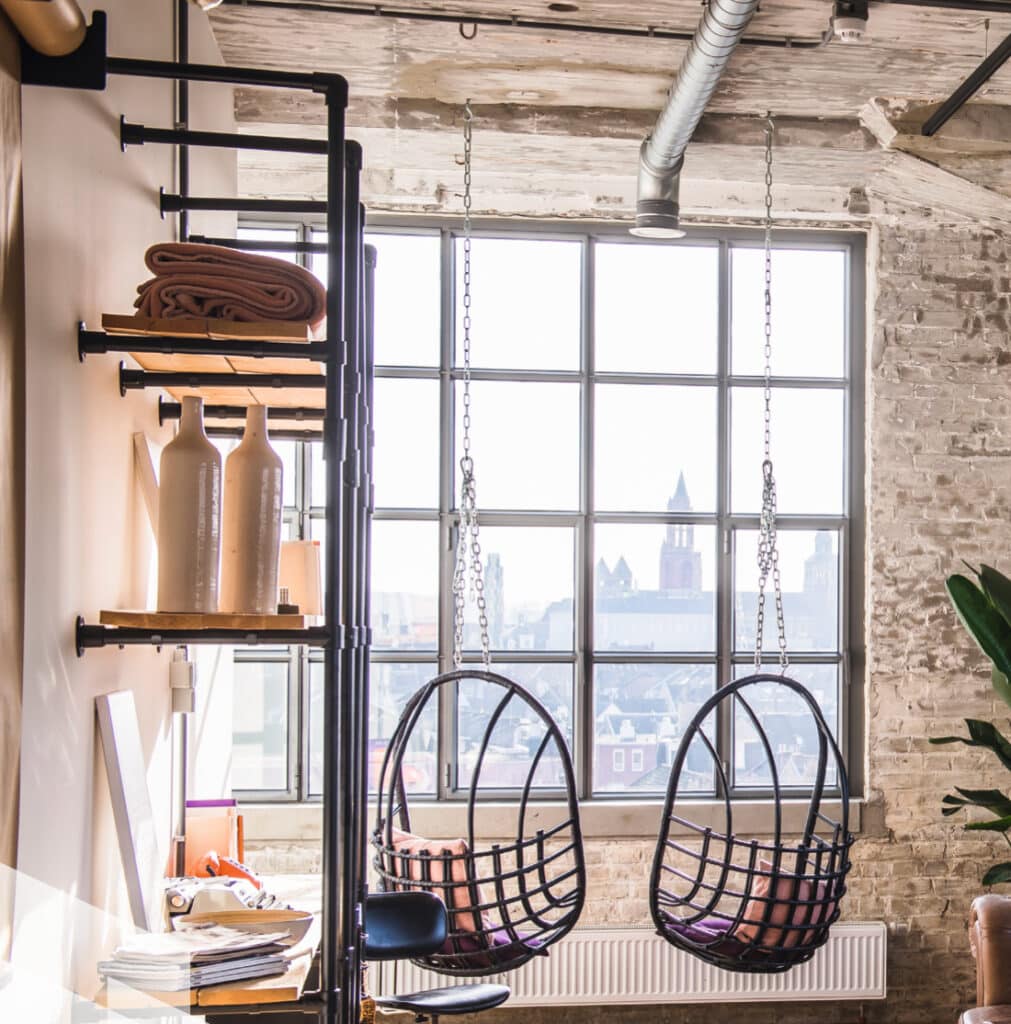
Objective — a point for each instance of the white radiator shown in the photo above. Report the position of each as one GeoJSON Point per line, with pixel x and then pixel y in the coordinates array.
{"type": "Point", "coordinates": [604, 966]}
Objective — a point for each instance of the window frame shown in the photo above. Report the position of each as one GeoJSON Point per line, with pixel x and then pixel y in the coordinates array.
{"type": "Point", "coordinates": [849, 523]}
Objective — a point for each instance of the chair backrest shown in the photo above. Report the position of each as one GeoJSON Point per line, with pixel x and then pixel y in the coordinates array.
{"type": "Point", "coordinates": [508, 901]}
{"type": "Point", "coordinates": [401, 925]}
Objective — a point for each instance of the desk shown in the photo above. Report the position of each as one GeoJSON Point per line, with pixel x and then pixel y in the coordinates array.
{"type": "Point", "coordinates": [282, 990]}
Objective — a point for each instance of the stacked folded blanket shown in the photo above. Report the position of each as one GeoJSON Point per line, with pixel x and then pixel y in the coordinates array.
{"type": "Point", "coordinates": [194, 280]}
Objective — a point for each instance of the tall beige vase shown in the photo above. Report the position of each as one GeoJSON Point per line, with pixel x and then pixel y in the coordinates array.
{"type": "Point", "coordinates": [251, 535]}
{"type": "Point", "coordinates": [189, 517]}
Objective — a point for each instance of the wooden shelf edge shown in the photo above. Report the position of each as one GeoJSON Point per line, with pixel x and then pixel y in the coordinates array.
{"type": "Point", "coordinates": [210, 620]}
{"type": "Point", "coordinates": [206, 327]}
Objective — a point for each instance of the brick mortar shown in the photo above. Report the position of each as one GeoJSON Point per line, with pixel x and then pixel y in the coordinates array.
{"type": "Point", "coordinates": [938, 490]}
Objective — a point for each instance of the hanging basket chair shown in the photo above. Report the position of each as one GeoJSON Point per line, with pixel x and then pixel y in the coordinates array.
{"type": "Point", "coordinates": [508, 902]}
{"type": "Point", "coordinates": [742, 904]}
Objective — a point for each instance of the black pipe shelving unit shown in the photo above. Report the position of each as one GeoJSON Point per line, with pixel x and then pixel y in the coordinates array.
{"type": "Point", "coordinates": [346, 396]}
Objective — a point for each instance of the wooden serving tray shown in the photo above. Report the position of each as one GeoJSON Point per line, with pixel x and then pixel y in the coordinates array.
{"type": "Point", "coordinates": [208, 620]}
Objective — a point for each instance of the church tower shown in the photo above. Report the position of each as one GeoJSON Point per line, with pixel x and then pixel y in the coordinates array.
{"type": "Point", "coordinates": [680, 563]}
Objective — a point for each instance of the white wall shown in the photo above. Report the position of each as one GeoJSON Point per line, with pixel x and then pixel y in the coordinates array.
{"type": "Point", "coordinates": [90, 213]}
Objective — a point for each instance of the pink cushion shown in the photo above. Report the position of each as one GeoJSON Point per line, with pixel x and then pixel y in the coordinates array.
{"type": "Point", "coordinates": [463, 917]}
{"type": "Point", "coordinates": [782, 911]}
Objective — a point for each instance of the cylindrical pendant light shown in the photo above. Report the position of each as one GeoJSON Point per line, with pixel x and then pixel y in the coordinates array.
{"type": "Point", "coordinates": [52, 27]}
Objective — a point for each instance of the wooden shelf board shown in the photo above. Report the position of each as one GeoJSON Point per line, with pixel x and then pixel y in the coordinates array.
{"type": "Point", "coordinates": [205, 327]}
{"type": "Point", "coordinates": [214, 620]}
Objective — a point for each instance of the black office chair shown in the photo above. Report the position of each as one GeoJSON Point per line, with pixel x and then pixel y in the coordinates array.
{"type": "Point", "coordinates": [405, 925]}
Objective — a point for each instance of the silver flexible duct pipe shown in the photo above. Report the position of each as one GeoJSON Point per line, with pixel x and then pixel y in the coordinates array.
{"type": "Point", "coordinates": [662, 153]}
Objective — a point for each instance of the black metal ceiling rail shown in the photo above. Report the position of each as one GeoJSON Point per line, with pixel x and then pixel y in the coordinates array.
{"type": "Point", "coordinates": [98, 343]}
{"type": "Point", "coordinates": [131, 134]}
{"type": "Point", "coordinates": [174, 203]}
{"type": "Point", "coordinates": [966, 6]}
{"type": "Point", "coordinates": [136, 380]}
{"type": "Point", "coordinates": [173, 410]}
{"type": "Point", "coordinates": [256, 245]}
{"type": "Point", "coordinates": [284, 434]}
{"type": "Point", "coordinates": [345, 718]}
{"type": "Point", "coordinates": [516, 21]}
{"type": "Point", "coordinates": [995, 60]}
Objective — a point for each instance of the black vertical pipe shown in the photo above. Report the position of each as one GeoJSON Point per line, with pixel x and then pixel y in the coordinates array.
{"type": "Point", "coordinates": [366, 506]}
{"type": "Point", "coordinates": [332, 954]}
{"type": "Point", "coordinates": [183, 108]}
{"type": "Point", "coordinates": [353, 818]}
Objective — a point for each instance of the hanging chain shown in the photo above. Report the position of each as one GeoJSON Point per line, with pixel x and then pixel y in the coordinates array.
{"type": "Point", "coordinates": [468, 544]}
{"type": "Point", "coordinates": [768, 553]}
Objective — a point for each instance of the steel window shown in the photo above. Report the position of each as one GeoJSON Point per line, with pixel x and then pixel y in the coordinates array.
{"type": "Point", "coordinates": [618, 481]}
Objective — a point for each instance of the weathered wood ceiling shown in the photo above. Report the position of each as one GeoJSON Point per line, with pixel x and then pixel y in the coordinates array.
{"type": "Point", "coordinates": [561, 114]}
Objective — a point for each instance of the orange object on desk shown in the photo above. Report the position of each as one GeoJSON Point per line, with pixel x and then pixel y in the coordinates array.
{"type": "Point", "coordinates": [213, 866]}
{"type": "Point", "coordinates": [217, 829]}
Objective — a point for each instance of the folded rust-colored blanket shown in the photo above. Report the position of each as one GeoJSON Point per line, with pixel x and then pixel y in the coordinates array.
{"type": "Point", "coordinates": [194, 280]}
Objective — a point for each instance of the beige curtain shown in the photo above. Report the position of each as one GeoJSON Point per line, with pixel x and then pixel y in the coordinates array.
{"type": "Point", "coordinates": [12, 333]}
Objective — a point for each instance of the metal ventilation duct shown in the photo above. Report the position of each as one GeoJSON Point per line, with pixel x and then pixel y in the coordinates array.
{"type": "Point", "coordinates": [662, 153]}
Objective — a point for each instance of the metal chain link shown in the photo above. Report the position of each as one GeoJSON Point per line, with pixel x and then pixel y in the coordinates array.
{"type": "Point", "coordinates": [468, 544]}
{"type": "Point", "coordinates": [768, 552]}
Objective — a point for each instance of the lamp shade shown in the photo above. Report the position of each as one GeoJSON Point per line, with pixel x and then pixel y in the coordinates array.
{"type": "Point", "coordinates": [300, 573]}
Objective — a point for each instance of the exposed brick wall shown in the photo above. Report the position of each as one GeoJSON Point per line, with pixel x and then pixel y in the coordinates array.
{"type": "Point", "coordinates": [938, 490]}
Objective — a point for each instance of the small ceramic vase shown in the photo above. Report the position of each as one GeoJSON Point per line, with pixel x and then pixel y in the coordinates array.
{"type": "Point", "coordinates": [189, 517]}
{"type": "Point", "coordinates": [251, 535]}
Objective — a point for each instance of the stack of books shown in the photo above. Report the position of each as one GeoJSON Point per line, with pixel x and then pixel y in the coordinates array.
{"type": "Point", "coordinates": [195, 957]}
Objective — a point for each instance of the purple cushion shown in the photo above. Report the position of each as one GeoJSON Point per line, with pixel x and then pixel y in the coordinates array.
{"type": "Point", "coordinates": [489, 949]}
{"type": "Point", "coordinates": [710, 932]}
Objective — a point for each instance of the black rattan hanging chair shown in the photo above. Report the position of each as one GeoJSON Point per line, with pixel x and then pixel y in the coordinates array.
{"type": "Point", "coordinates": [758, 906]}
{"type": "Point", "coordinates": [508, 902]}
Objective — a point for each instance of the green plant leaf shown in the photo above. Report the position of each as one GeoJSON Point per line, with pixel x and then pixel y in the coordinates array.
{"type": "Point", "coordinates": [992, 799]}
{"type": "Point", "coordinates": [996, 825]}
{"type": "Point", "coordinates": [984, 623]}
{"type": "Point", "coordinates": [986, 734]}
{"type": "Point", "coordinates": [982, 734]}
{"type": "Point", "coordinates": [997, 874]}
{"type": "Point", "coordinates": [997, 588]}
{"type": "Point", "coordinates": [1001, 685]}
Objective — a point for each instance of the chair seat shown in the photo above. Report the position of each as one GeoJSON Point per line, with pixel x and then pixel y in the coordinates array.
{"type": "Point", "coordinates": [451, 1000]}
{"type": "Point", "coordinates": [987, 1015]}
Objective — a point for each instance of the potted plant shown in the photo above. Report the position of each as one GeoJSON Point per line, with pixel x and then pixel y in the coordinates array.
{"type": "Point", "coordinates": [984, 607]}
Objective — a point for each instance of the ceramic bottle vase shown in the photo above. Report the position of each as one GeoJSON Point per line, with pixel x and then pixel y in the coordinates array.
{"type": "Point", "coordinates": [251, 534]}
{"type": "Point", "coordinates": [189, 517]}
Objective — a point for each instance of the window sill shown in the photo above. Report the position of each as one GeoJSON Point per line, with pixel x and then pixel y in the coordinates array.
{"type": "Point", "coordinates": [601, 819]}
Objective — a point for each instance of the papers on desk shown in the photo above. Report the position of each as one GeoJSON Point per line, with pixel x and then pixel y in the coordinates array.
{"type": "Point", "coordinates": [176, 961]}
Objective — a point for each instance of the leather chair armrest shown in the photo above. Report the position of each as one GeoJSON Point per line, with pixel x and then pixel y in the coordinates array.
{"type": "Point", "coordinates": [990, 939]}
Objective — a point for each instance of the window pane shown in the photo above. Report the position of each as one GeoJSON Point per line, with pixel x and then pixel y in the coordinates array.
{"type": "Point", "coordinates": [288, 452]}
{"type": "Point", "coordinates": [529, 586]}
{"type": "Point", "coordinates": [525, 444]}
{"type": "Point", "coordinates": [655, 308]}
{"type": "Point", "coordinates": [789, 727]}
{"type": "Point", "coordinates": [808, 312]}
{"type": "Point", "coordinates": [640, 714]}
{"type": "Point", "coordinates": [271, 235]}
{"type": "Point", "coordinates": [405, 582]}
{"type": "Point", "coordinates": [391, 687]}
{"type": "Point", "coordinates": [654, 588]}
{"type": "Point", "coordinates": [260, 725]}
{"type": "Point", "coordinates": [317, 475]}
{"type": "Point", "coordinates": [408, 302]}
{"type": "Point", "coordinates": [809, 564]}
{"type": "Point", "coordinates": [807, 450]}
{"type": "Point", "coordinates": [407, 443]}
{"type": "Point", "coordinates": [525, 303]}
{"type": "Point", "coordinates": [653, 446]}
{"type": "Point", "coordinates": [518, 732]}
